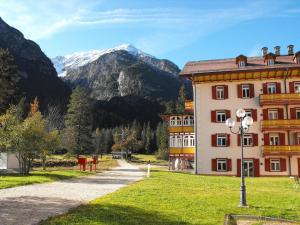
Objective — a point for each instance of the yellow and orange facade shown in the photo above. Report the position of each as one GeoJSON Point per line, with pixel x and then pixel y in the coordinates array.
{"type": "Point", "coordinates": [268, 88]}
{"type": "Point", "coordinates": [181, 135]}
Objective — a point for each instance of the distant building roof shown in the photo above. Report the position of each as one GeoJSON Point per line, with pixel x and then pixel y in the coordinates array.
{"type": "Point", "coordinates": [229, 65]}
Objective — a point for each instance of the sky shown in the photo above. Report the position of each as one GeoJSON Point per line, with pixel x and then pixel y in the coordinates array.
{"type": "Point", "coordinates": [178, 30]}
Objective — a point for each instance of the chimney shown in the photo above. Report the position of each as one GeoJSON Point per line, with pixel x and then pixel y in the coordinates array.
{"type": "Point", "coordinates": [277, 50]}
{"type": "Point", "coordinates": [290, 49]}
{"type": "Point", "coordinates": [264, 51]}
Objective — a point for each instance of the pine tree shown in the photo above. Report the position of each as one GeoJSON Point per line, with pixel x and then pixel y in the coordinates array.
{"type": "Point", "coordinates": [163, 150]}
{"type": "Point", "coordinates": [149, 139]}
{"type": "Point", "coordinates": [170, 107]}
{"type": "Point", "coordinates": [181, 100]}
{"type": "Point", "coordinates": [78, 122]}
{"type": "Point", "coordinates": [8, 78]}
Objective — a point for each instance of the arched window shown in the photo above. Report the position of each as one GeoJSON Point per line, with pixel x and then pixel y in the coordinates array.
{"type": "Point", "coordinates": [175, 121]}
{"type": "Point", "coordinates": [172, 141]}
{"type": "Point", "coordinates": [191, 120]}
{"type": "Point", "coordinates": [179, 141]}
{"type": "Point", "coordinates": [179, 122]}
{"type": "Point", "coordinates": [186, 121]}
{"type": "Point", "coordinates": [186, 141]}
{"type": "Point", "coordinates": [192, 141]}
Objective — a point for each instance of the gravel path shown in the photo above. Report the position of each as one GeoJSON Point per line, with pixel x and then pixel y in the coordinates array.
{"type": "Point", "coordinates": [25, 205]}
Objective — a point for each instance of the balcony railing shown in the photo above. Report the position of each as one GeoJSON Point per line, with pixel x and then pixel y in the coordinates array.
{"type": "Point", "coordinates": [281, 149]}
{"type": "Point", "coordinates": [181, 129]}
{"type": "Point", "coordinates": [280, 125]}
{"type": "Point", "coordinates": [180, 150]}
{"type": "Point", "coordinates": [279, 99]}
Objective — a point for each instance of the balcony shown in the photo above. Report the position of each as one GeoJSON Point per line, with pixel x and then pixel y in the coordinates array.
{"type": "Point", "coordinates": [182, 150]}
{"type": "Point", "coordinates": [275, 125]}
{"type": "Point", "coordinates": [281, 150]}
{"type": "Point", "coordinates": [279, 99]}
{"type": "Point", "coordinates": [181, 129]}
{"type": "Point", "coordinates": [189, 106]}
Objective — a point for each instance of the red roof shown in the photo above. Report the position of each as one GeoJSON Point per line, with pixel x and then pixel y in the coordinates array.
{"type": "Point", "coordinates": [229, 65]}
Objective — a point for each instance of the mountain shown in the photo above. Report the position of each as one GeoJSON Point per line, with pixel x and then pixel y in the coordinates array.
{"type": "Point", "coordinates": [37, 73]}
{"type": "Point", "coordinates": [120, 71]}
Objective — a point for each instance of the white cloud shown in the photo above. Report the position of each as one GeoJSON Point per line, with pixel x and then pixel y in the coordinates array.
{"type": "Point", "coordinates": [172, 27]}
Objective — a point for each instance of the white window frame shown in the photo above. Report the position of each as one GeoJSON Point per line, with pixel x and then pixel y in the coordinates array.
{"type": "Point", "coordinates": [246, 90]}
{"type": "Point", "coordinates": [172, 141]}
{"type": "Point", "coordinates": [248, 112]}
{"type": "Point", "coordinates": [297, 87]}
{"type": "Point", "coordinates": [276, 164]}
{"type": "Point", "coordinates": [273, 114]}
{"type": "Point", "coordinates": [188, 121]}
{"type": "Point", "coordinates": [222, 165]}
{"type": "Point", "coordinates": [175, 121]}
{"type": "Point", "coordinates": [189, 141]}
{"type": "Point", "coordinates": [220, 92]}
{"type": "Point", "coordinates": [248, 140]}
{"type": "Point", "coordinates": [241, 63]}
{"type": "Point", "coordinates": [221, 116]}
{"type": "Point", "coordinates": [223, 140]}
{"type": "Point", "coordinates": [178, 141]}
{"type": "Point", "coordinates": [270, 62]}
{"type": "Point", "coordinates": [274, 140]}
{"type": "Point", "coordinates": [192, 141]}
{"type": "Point", "coordinates": [271, 87]}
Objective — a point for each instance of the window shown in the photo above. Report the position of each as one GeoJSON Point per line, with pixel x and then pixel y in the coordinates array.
{"type": "Point", "coordinates": [192, 140]}
{"type": "Point", "coordinates": [185, 141]}
{"type": "Point", "coordinates": [273, 114]}
{"type": "Point", "coordinates": [176, 141]}
{"type": "Point", "coordinates": [248, 112]}
{"type": "Point", "coordinates": [246, 90]}
{"type": "Point", "coordinates": [242, 63]}
{"type": "Point", "coordinates": [221, 165]}
{"type": "Point", "coordinates": [221, 140]}
{"type": "Point", "coordinates": [221, 116]}
{"type": "Point", "coordinates": [275, 164]}
{"type": "Point", "coordinates": [248, 140]}
{"type": "Point", "coordinates": [274, 140]}
{"type": "Point", "coordinates": [297, 113]}
{"type": "Point", "coordinates": [189, 141]}
{"type": "Point", "coordinates": [172, 141]}
{"type": "Point", "coordinates": [188, 121]}
{"type": "Point", "coordinates": [272, 88]}
{"type": "Point", "coordinates": [220, 92]}
{"type": "Point", "coordinates": [175, 121]}
{"type": "Point", "coordinates": [297, 87]}
{"type": "Point", "coordinates": [270, 62]}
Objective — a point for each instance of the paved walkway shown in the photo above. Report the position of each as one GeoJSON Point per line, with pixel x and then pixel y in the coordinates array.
{"type": "Point", "coordinates": [30, 204]}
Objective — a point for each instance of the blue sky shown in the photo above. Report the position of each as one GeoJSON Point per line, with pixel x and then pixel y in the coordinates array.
{"type": "Point", "coordinates": [174, 29]}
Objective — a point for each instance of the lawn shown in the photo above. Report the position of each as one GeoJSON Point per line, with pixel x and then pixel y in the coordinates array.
{"type": "Point", "coordinates": [174, 198]}
{"type": "Point", "coordinates": [51, 174]}
{"type": "Point", "coordinates": [143, 159]}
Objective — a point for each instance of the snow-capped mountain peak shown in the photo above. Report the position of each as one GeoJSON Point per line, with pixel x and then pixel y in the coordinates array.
{"type": "Point", "coordinates": [79, 59]}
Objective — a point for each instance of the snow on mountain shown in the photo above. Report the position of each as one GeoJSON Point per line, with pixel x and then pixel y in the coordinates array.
{"type": "Point", "coordinates": [79, 59]}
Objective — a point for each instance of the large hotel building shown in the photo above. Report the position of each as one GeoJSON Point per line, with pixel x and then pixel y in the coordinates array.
{"type": "Point", "coordinates": [268, 88]}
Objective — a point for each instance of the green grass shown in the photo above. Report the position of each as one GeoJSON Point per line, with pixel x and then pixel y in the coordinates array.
{"type": "Point", "coordinates": [175, 198]}
{"type": "Point", "coordinates": [143, 159]}
{"type": "Point", "coordinates": [50, 175]}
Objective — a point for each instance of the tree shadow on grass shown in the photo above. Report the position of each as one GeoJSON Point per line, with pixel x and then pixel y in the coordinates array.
{"type": "Point", "coordinates": [112, 214]}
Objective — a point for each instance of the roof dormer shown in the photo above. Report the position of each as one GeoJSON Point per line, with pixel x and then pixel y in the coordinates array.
{"type": "Point", "coordinates": [297, 57]}
{"type": "Point", "coordinates": [241, 61]}
{"type": "Point", "coordinates": [270, 59]}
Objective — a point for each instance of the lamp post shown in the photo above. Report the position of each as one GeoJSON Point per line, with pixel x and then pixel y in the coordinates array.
{"type": "Point", "coordinates": [245, 123]}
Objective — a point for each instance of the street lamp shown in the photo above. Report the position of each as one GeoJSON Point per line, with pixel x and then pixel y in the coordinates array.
{"type": "Point", "coordinates": [245, 123]}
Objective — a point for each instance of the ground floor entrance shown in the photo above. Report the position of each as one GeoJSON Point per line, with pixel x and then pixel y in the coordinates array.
{"type": "Point", "coordinates": [249, 168]}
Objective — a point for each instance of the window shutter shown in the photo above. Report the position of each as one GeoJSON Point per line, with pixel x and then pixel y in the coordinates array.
{"type": "Point", "coordinates": [293, 113]}
{"type": "Point", "coordinates": [278, 88]}
{"type": "Point", "coordinates": [228, 114]}
{"type": "Point", "coordinates": [214, 164]}
{"type": "Point", "coordinates": [228, 140]}
{"type": "Point", "coordinates": [255, 139]}
{"type": "Point", "coordinates": [214, 140]}
{"type": "Point", "coordinates": [254, 114]}
{"type": "Point", "coordinates": [265, 114]}
{"type": "Point", "coordinates": [256, 167]}
{"type": "Point", "coordinates": [298, 166]}
{"type": "Point", "coordinates": [225, 91]}
{"type": "Point", "coordinates": [265, 88]}
{"type": "Point", "coordinates": [266, 139]}
{"type": "Point", "coordinates": [229, 165]}
{"type": "Point", "coordinates": [280, 114]}
{"type": "Point", "coordinates": [239, 139]}
{"type": "Point", "coordinates": [296, 139]}
{"type": "Point", "coordinates": [238, 167]}
{"type": "Point", "coordinates": [282, 165]}
{"type": "Point", "coordinates": [251, 90]}
{"type": "Point", "coordinates": [214, 92]}
{"type": "Point", "coordinates": [239, 91]}
{"type": "Point", "coordinates": [292, 87]}
{"type": "Point", "coordinates": [282, 138]}
{"type": "Point", "coordinates": [267, 165]}
{"type": "Point", "coordinates": [213, 116]}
